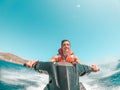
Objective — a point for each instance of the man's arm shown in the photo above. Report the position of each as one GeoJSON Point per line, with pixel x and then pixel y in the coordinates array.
{"type": "Point", "coordinates": [85, 69]}
{"type": "Point", "coordinates": [31, 63]}
{"type": "Point", "coordinates": [93, 67]}
{"type": "Point", "coordinates": [41, 67]}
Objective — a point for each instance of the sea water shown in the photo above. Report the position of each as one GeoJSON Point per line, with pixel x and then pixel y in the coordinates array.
{"type": "Point", "coordinates": [17, 77]}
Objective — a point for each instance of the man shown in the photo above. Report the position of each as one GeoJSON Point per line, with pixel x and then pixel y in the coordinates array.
{"type": "Point", "coordinates": [64, 69]}
{"type": "Point", "coordinates": [65, 54]}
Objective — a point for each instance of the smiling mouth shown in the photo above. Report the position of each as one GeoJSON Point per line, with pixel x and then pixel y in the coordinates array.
{"type": "Point", "coordinates": [66, 49]}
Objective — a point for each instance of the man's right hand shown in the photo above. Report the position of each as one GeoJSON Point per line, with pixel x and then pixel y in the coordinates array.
{"type": "Point", "coordinates": [30, 64]}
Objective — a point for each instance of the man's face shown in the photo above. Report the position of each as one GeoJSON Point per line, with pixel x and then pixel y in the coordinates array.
{"type": "Point", "coordinates": [66, 46]}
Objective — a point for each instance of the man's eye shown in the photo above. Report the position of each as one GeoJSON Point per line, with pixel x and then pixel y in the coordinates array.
{"type": "Point", "coordinates": [66, 44]}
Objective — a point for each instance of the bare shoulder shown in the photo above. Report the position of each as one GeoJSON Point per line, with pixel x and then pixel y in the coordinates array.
{"type": "Point", "coordinates": [77, 59]}
{"type": "Point", "coordinates": [54, 58]}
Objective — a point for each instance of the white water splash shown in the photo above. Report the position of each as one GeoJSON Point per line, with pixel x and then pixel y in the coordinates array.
{"type": "Point", "coordinates": [36, 81]}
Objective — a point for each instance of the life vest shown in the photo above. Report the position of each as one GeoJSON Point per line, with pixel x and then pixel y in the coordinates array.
{"type": "Point", "coordinates": [67, 59]}
{"type": "Point", "coordinates": [61, 58]}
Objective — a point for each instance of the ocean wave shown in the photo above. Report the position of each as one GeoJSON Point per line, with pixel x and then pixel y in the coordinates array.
{"type": "Point", "coordinates": [16, 77]}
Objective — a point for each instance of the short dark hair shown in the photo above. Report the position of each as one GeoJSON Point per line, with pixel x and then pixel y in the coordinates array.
{"type": "Point", "coordinates": [64, 41]}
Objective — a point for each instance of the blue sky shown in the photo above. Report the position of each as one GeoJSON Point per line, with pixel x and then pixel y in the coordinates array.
{"type": "Point", "coordinates": [33, 29]}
